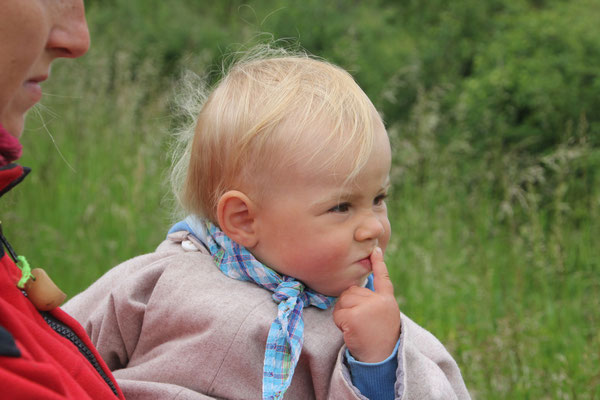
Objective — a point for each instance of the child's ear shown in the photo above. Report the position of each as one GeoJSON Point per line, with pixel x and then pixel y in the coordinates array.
{"type": "Point", "coordinates": [236, 215]}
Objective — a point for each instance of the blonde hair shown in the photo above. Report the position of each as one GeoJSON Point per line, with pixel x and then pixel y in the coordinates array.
{"type": "Point", "coordinates": [259, 119]}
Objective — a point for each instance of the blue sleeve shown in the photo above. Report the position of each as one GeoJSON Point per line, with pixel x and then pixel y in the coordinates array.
{"type": "Point", "coordinates": [375, 380]}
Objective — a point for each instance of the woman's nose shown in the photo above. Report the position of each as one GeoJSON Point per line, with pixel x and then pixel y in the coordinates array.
{"type": "Point", "coordinates": [69, 36]}
{"type": "Point", "coordinates": [370, 228]}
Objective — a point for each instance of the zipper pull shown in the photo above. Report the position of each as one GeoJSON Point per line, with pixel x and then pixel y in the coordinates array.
{"type": "Point", "coordinates": [40, 289]}
{"type": "Point", "coordinates": [43, 292]}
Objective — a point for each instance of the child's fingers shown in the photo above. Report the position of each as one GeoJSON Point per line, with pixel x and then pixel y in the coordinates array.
{"type": "Point", "coordinates": [341, 318]}
{"type": "Point", "coordinates": [353, 297]}
{"type": "Point", "coordinates": [356, 291]}
{"type": "Point", "coordinates": [381, 277]}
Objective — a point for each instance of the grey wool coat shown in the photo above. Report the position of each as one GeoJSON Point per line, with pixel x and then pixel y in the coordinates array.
{"type": "Point", "coordinates": [171, 325]}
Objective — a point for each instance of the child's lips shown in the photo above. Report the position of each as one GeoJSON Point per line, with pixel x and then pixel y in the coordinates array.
{"type": "Point", "coordinates": [366, 262]}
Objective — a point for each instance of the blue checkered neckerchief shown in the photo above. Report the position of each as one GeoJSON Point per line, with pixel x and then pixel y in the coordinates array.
{"type": "Point", "coordinates": [286, 336]}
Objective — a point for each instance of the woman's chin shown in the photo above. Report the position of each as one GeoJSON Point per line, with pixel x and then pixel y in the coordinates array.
{"type": "Point", "coordinates": [14, 124]}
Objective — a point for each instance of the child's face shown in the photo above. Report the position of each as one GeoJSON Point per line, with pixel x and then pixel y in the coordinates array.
{"type": "Point", "coordinates": [321, 230]}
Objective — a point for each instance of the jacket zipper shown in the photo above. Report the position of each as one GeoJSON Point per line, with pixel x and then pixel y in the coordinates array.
{"type": "Point", "coordinates": [67, 333]}
{"type": "Point", "coordinates": [62, 329]}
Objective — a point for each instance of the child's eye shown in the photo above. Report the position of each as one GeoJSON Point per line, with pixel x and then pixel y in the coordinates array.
{"type": "Point", "coordinates": [379, 199]}
{"type": "Point", "coordinates": [340, 208]}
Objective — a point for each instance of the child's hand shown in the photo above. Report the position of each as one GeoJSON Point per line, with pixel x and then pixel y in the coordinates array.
{"type": "Point", "coordinates": [370, 320]}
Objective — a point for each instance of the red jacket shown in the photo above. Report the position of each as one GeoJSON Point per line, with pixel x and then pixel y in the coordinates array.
{"type": "Point", "coordinates": [43, 355]}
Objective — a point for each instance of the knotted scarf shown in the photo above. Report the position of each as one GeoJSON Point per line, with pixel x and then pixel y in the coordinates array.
{"type": "Point", "coordinates": [286, 335]}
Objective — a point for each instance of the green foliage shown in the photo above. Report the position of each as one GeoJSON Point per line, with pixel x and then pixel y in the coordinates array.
{"type": "Point", "coordinates": [491, 109]}
{"type": "Point", "coordinates": [536, 79]}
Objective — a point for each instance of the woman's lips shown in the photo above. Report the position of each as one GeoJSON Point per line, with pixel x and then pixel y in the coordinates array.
{"type": "Point", "coordinates": [33, 87]}
{"type": "Point", "coordinates": [34, 90]}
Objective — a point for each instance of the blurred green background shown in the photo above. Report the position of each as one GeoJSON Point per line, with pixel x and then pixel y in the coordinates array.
{"type": "Point", "coordinates": [493, 112]}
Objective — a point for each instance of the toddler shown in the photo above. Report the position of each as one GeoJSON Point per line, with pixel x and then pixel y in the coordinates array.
{"type": "Point", "coordinates": [274, 286]}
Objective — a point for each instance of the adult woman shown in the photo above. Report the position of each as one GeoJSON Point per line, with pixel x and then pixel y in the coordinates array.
{"type": "Point", "coordinates": [43, 352]}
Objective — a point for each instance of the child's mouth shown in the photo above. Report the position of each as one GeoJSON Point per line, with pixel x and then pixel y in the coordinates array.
{"type": "Point", "coordinates": [366, 262]}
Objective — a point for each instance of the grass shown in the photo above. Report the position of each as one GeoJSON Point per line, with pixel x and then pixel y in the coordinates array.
{"type": "Point", "coordinates": [496, 258]}
{"type": "Point", "coordinates": [519, 325]}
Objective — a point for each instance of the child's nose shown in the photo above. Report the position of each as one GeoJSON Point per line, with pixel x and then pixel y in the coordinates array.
{"type": "Point", "coordinates": [370, 228]}
{"type": "Point", "coordinates": [69, 35]}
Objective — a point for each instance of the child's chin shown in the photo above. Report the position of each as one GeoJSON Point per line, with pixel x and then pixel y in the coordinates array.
{"type": "Point", "coordinates": [360, 283]}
